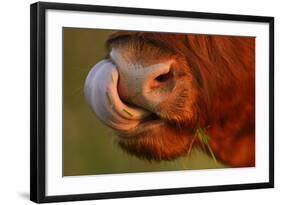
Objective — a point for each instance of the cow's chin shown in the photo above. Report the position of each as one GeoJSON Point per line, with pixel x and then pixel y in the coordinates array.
{"type": "Point", "coordinates": [156, 139]}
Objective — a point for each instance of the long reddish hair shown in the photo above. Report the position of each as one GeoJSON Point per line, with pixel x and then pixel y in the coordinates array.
{"type": "Point", "coordinates": [223, 69]}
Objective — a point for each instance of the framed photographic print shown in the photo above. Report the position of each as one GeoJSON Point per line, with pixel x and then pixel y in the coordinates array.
{"type": "Point", "coordinates": [129, 102]}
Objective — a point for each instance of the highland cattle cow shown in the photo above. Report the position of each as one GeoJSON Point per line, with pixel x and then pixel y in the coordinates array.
{"type": "Point", "coordinates": [158, 90]}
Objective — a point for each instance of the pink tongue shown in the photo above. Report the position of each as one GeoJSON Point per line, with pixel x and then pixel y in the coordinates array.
{"type": "Point", "coordinates": [102, 96]}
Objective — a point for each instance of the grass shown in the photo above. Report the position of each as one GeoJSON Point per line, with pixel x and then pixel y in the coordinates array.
{"type": "Point", "coordinates": [203, 138]}
{"type": "Point", "coordinates": [126, 111]}
{"type": "Point", "coordinates": [108, 98]}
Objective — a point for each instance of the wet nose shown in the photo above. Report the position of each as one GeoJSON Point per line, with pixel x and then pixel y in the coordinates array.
{"type": "Point", "coordinates": [145, 86]}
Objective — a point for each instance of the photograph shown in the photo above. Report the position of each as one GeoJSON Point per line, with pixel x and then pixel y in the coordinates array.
{"type": "Point", "coordinates": [150, 101]}
{"type": "Point", "coordinates": [132, 102]}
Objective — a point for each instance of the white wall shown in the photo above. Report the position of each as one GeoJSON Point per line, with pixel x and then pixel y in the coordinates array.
{"type": "Point", "coordinates": [14, 100]}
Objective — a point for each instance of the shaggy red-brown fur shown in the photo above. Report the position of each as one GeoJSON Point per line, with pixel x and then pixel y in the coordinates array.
{"type": "Point", "coordinates": [215, 77]}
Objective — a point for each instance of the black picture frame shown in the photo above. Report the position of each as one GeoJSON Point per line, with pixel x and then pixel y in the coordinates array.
{"type": "Point", "coordinates": [38, 101]}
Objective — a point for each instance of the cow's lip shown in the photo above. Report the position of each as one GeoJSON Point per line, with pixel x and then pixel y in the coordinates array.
{"type": "Point", "coordinates": [152, 121]}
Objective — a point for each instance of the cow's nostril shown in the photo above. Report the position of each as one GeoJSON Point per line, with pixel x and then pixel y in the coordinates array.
{"type": "Point", "coordinates": [164, 77]}
{"type": "Point", "coordinates": [163, 81]}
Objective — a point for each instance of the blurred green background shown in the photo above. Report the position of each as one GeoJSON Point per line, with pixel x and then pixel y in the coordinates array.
{"type": "Point", "coordinates": [89, 147]}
